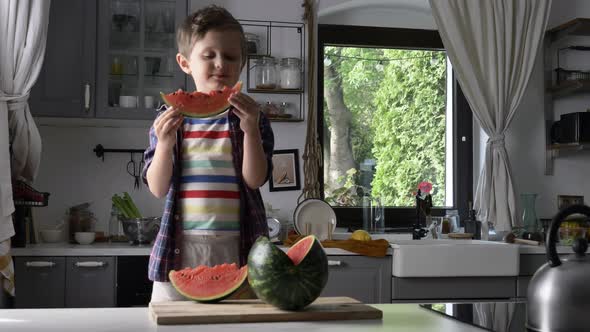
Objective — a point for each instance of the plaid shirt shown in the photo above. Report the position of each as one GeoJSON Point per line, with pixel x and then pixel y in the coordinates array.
{"type": "Point", "coordinates": [166, 252]}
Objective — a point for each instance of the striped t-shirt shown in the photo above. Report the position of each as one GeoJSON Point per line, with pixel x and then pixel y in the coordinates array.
{"type": "Point", "coordinates": [209, 197]}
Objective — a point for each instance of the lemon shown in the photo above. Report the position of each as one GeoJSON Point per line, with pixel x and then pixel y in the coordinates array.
{"type": "Point", "coordinates": [360, 235]}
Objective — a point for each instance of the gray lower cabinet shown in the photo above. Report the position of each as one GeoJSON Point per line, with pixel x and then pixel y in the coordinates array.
{"type": "Point", "coordinates": [39, 282]}
{"type": "Point", "coordinates": [90, 282]}
{"type": "Point", "coordinates": [70, 282]}
{"type": "Point", "coordinates": [366, 279]}
{"type": "Point", "coordinates": [449, 288]}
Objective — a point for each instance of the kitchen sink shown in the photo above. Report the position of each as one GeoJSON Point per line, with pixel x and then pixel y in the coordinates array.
{"type": "Point", "coordinates": [454, 258]}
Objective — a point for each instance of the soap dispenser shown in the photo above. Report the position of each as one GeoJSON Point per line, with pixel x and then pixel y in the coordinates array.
{"type": "Point", "coordinates": [472, 225]}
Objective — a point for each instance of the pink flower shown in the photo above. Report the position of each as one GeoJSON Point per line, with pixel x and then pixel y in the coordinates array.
{"type": "Point", "coordinates": [425, 187]}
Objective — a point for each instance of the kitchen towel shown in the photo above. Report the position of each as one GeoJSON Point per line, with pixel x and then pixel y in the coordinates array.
{"type": "Point", "coordinates": [6, 268]}
{"type": "Point", "coordinates": [372, 248]}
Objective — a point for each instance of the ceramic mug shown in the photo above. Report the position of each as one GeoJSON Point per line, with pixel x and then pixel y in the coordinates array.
{"type": "Point", "coordinates": [128, 101]}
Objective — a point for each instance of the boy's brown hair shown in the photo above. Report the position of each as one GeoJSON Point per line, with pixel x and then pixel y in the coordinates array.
{"type": "Point", "coordinates": [196, 25]}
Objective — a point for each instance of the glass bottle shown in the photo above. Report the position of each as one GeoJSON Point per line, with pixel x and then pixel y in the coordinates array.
{"type": "Point", "coordinates": [529, 215]}
{"type": "Point", "coordinates": [114, 224]}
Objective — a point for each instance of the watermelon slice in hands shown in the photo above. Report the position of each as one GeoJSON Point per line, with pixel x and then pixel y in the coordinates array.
{"type": "Point", "coordinates": [198, 104]}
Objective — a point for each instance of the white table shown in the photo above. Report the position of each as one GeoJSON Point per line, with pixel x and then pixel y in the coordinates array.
{"type": "Point", "coordinates": [396, 318]}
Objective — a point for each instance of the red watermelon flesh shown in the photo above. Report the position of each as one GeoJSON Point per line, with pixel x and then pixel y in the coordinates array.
{"type": "Point", "coordinates": [198, 104]}
{"type": "Point", "coordinates": [208, 284]}
{"type": "Point", "coordinates": [300, 249]}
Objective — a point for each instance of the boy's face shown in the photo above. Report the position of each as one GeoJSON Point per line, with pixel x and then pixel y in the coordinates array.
{"type": "Point", "coordinates": [215, 61]}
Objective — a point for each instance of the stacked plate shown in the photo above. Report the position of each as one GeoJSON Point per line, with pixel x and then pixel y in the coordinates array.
{"type": "Point", "coordinates": [314, 216]}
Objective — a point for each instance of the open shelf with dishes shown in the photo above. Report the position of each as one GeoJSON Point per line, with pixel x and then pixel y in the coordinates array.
{"type": "Point", "coordinates": [274, 72]}
{"type": "Point", "coordinates": [569, 41]}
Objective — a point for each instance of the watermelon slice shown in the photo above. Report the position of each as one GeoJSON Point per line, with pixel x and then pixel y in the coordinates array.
{"type": "Point", "coordinates": [209, 284]}
{"type": "Point", "coordinates": [198, 104]}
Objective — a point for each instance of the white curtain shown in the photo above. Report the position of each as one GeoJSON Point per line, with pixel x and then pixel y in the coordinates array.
{"type": "Point", "coordinates": [492, 46]}
{"type": "Point", "coordinates": [23, 35]}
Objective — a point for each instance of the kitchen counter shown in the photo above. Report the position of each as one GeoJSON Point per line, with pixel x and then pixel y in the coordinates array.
{"type": "Point", "coordinates": [112, 249]}
{"type": "Point", "coordinates": [527, 249]}
{"type": "Point", "coordinates": [125, 249]}
{"type": "Point", "coordinates": [396, 317]}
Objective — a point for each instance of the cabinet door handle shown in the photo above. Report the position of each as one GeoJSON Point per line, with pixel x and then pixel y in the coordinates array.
{"type": "Point", "coordinates": [90, 264]}
{"type": "Point", "coordinates": [334, 263]}
{"type": "Point", "coordinates": [87, 96]}
{"type": "Point", "coordinates": [40, 264]}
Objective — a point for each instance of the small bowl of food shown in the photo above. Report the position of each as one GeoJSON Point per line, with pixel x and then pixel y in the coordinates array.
{"type": "Point", "coordinates": [84, 237]}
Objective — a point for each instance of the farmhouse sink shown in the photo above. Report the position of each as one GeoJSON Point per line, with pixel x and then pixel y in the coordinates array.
{"type": "Point", "coordinates": [454, 258]}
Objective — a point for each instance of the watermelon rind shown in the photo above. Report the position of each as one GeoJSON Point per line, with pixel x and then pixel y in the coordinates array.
{"type": "Point", "coordinates": [201, 105]}
{"type": "Point", "coordinates": [177, 278]}
{"type": "Point", "coordinates": [278, 281]}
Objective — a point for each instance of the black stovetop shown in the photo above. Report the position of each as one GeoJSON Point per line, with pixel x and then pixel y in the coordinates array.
{"type": "Point", "coordinates": [490, 316]}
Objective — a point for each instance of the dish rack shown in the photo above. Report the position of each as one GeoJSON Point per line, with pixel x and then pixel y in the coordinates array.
{"type": "Point", "coordinates": [25, 195]}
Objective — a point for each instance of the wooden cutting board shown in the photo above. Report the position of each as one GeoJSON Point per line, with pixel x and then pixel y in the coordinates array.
{"type": "Point", "coordinates": [249, 311]}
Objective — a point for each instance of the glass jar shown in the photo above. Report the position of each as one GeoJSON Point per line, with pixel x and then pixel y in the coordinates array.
{"type": "Point", "coordinates": [290, 73]}
{"type": "Point", "coordinates": [252, 42]}
{"type": "Point", "coordinates": [529, 215]}
{"type": "Point", "coordinates": [266, 73]}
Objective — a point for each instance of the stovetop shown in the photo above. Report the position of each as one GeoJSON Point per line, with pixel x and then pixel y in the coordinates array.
{"type": "Point", "coordinates": [490, 316]}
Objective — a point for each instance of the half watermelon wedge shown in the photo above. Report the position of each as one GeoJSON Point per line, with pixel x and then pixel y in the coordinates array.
{"type": "Point", "coordinates": [288, 281]}
{"type": "Point", "coordinates": [198, 104]}
{"type": "Point", "coordinates": [209, 284]}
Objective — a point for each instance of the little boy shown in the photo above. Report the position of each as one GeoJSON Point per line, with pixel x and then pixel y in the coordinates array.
{"type": "Point", "coordinates": [209, 169]}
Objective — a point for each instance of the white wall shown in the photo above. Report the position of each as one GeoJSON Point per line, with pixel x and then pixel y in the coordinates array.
{"type": "Point", "coordinates": [71, 172]}
{"type": "Point", "coordinates": [525, 141]}
{"type": "Point", "coordinates": [382, 13]}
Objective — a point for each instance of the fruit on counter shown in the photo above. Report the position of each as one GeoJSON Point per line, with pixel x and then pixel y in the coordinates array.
{"type": "Point", "coordinates": [125, 205]}
{"type": "Point", "coordinates": [288, 281]}
{"type": "Point", "coordinates": [209, 284]}
{"type": "Point", "coordinates": [198, 104]}
{"type": "Point", "coordinates": [360, 235]}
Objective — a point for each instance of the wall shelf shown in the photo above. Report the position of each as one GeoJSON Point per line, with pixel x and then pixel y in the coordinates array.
{"type": "Point", "coordinates": [552, 44]}
{"type": "Point", "coordinates": [279, 40]}
{"type": "Point", "coordinates": [567, 88]}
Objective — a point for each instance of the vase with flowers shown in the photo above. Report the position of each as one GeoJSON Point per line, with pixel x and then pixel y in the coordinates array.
{"type": "Point", "coordinates": [423, 203]}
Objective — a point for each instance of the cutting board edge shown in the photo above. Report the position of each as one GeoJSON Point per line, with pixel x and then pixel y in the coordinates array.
{"type": "Point", "coordinates": [276, 318]}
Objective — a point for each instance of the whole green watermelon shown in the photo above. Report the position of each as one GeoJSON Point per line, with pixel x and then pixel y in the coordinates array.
{"type": "Point", "coordinates": [288, 281]}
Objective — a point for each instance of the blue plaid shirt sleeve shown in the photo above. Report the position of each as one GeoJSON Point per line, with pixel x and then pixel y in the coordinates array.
{"type": "Point", "coordinates": [268, 143]}
{"type": "Point", "coordinates": [148, 154]}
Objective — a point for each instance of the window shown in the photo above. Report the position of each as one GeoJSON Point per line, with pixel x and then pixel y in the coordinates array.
{"type": "Point", "coordinates": [390, 116]}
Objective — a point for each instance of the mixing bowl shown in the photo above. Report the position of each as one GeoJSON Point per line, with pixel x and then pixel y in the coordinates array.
{"type": "Point", "coordinates": [51, 235]}
{"type": "Point", "coordinates": [141, 230]}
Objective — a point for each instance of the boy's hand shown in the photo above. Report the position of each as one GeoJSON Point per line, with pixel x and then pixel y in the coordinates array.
{"type": "Point", "coordinates": [166, 126]}
{"type": "Point", "coordinates": [248, 110]}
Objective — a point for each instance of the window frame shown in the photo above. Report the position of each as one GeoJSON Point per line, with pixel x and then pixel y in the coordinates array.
{"type": "Point", "coordinates": [381, 37]}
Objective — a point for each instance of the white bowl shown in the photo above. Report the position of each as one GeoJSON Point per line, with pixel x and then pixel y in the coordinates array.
{"type": "Point", "coordinates": [51, 235]}
{"type": "Point", "coordinates": [84, 237]}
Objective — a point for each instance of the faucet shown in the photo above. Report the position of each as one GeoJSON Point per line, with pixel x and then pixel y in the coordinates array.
{"type": "Point", "coordinates": [433, 228]}
{"type": "Point", "coordinates": [418, 232]}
